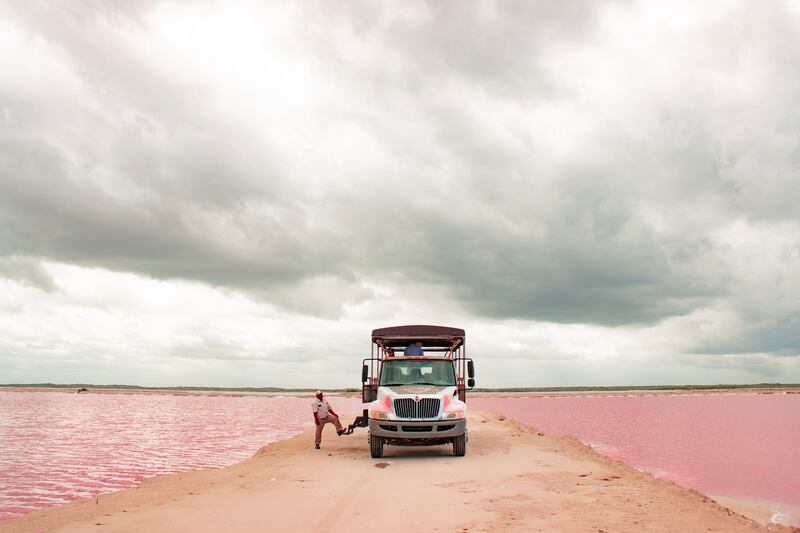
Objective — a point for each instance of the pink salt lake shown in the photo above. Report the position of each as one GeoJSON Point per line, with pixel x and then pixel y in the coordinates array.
{"type": "Point", "coordinates": [736, 445]}
{"type": "Point", "coordinates": [57, 447]}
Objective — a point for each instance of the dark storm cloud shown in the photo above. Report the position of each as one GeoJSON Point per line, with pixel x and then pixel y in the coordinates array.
{"type": "Point", "coordinates": [108, 160]}
{"type": "Point", "coordinates": [128, 171]}
{"type": "Point", "coordinates": [173, 162]}
{"type": "Point", "coordinates": [778, 336]}
{"type": "Point", "coordinates": [27, 271]}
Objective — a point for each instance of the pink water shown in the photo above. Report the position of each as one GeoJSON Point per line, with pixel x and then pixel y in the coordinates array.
{"type": "Point", "coordinates": [738, 445]}
{"type": "Point", "coordinates": [58, 447]}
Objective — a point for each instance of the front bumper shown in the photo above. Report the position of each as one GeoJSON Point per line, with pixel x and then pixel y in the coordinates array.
{"type": "Point", "coordinates": [417, 429]}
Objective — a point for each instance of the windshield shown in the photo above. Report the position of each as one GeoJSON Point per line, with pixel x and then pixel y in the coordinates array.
{"type": "Point", "coordinates": [417, 372]}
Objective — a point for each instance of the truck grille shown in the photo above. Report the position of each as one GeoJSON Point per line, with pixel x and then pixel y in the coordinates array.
{"type": "Point", "coordinates": [424, 408]}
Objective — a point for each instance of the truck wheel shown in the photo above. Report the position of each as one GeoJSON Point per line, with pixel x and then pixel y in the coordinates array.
{"type": "Point", "coordinates": [375, 446]}
{"type": "Point", "coordinates": [460, 446]}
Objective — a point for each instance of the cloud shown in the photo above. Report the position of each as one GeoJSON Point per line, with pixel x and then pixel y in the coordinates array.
{"type": "Point", "coordinates": [608, 167]}
{"type": "Point", "coordinates": [762, 313]}
{"type": "Point", "coordinates": [27, 271]}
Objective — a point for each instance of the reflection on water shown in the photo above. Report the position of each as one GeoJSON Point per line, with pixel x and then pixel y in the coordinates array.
{"type": "Point", "coordinates": [57, 447]}
{"type": "Point", "coordinates": [738, 445]}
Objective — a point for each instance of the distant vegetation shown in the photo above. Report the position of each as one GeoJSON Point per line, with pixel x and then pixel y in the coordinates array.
{"type": "Point", "coordinates": [642, 388]}
{"type": "Point", "coordinates": [184, 389]}
{"type": "Point", "coordinates": [498, 389]}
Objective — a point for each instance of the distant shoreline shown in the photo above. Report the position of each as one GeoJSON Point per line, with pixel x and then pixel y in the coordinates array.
{"type": "Point", "coordinates": [511, 391]}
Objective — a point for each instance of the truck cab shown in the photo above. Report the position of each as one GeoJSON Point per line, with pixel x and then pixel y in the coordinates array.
{"type": "Point", "coordinates": [417, 399]}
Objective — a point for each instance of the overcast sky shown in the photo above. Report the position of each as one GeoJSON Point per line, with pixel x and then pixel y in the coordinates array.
{"type": "Point", "coordinates": [237, 193]}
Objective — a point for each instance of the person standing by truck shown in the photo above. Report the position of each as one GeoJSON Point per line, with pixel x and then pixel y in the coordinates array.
{"type": "Point", "coordinates": [324, 414]}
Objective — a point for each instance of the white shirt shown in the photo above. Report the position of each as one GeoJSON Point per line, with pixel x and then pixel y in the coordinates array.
{"type": "Point", "coordinates": [320, 407]}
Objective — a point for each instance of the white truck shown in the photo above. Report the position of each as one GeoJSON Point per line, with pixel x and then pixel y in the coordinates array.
{"type": "Point", "coordinates": [417, 399]}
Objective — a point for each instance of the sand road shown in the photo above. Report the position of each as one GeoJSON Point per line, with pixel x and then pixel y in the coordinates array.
{"type": "Point", "coordinates": [512, 479]}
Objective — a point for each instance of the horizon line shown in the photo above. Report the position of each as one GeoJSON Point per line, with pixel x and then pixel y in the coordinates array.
{"type": "Point", "coordinates": [559, 388]}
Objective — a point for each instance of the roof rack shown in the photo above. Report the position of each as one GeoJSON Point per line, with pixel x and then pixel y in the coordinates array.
{"type": "Point", "coordinates": [444, 342]}
{"type": "Point", "coordinates": [437, 339]}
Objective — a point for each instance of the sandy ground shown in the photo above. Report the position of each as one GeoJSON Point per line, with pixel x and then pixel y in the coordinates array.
{"type": "Point", "coordinates": [512, 479]}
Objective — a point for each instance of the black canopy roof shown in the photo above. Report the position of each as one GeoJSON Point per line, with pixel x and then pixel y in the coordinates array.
{"type": "Point", "coordinates": [429, 336]}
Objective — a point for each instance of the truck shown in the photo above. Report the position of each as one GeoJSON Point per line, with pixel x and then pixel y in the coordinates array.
{"type": "Point", "coordinates": [417, 399]}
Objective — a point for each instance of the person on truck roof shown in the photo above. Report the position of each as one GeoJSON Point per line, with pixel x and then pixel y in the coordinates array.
{"type": "Point", "coordinates": [414, 349]}
{"type": "Point", "coordinates": [324, 414]}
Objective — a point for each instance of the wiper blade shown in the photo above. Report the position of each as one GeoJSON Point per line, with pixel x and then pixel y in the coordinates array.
{"type": "Point", "coordinates": [393, 384]}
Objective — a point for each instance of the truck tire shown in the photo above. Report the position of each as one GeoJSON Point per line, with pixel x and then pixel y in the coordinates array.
{"type": "Point", "coordinates": [375, 446]}
{"type": "Point", "coordinates": [460, 446]}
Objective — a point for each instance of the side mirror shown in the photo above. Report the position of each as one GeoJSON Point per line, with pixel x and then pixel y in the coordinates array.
{"type": "Point", "coordinates": [369, 393]}
{"type": "Point", "coordinates": [471, 382]}
{"type": "Point", "coordinates": [470, 369]}
{"type": "Point", "coordinates": [364, 373]}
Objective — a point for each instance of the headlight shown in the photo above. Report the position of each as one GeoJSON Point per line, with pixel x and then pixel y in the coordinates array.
{"type": "Point", "coordinates": [455, 414]}
{"type": "Point", "coordinates": [379, 415]}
